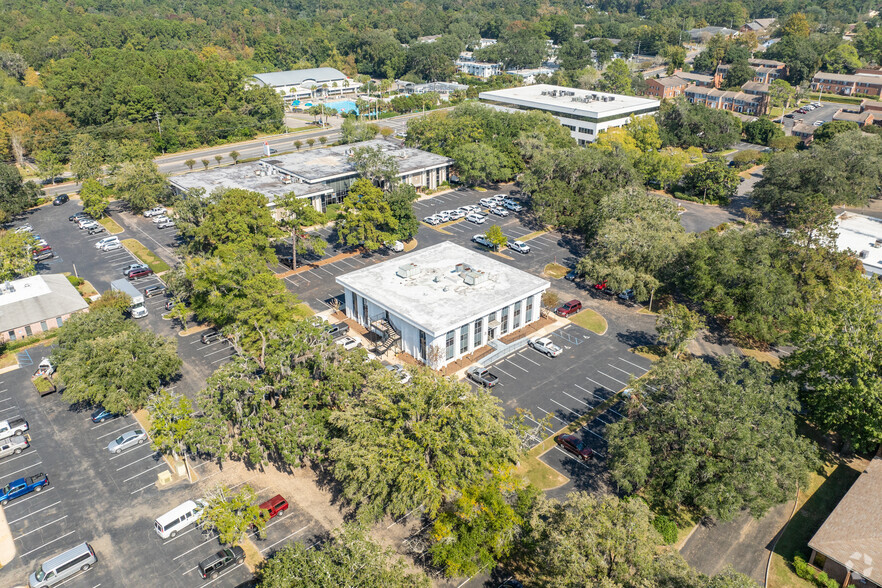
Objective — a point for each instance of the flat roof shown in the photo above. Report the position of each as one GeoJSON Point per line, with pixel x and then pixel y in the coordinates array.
{"type": "Point", "coordinates": [317, 165]}
{"type": "Point", "coordinates": [295, 77]}
{"type": "Point", "coordinates": [565, 101]}
{"type": "Point", "coordinates": [245, 176]}
{"type": "Point", "coordinates": [37, 298]}
{"type": "Point", "coordinates": [857, 233]}
{"type": "Point", "coordinates": [437, 298]}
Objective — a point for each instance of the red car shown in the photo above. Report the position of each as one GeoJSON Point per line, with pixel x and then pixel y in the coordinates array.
{"type": "Point", "coordinates": [140, 273]}
{"type": "Point", "coordinates": [568, 308]}
{"type": "Point", "coordinates": [575, 446]}
{"type": "Point", "coordinates": [275, 506]}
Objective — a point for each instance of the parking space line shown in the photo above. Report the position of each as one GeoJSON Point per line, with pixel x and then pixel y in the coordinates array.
{"type": "Point", "coordinates": [126, 452]}
{"type": "Point", "coordinates": [161, 464]}
{"type": "Point", "coordinates": [126, 426]}
{"type": "Point", "coordinates": [572, 457]}
{"type": "Point", "coordinates": [588, 391]}
{"type": "Point", "coordinates": [565, 407]}
{"type": "Point", "coordinates": [41, 527]}
{"type": "Point", "coordinates": [278, 520]}
{"type": "Point", "coordinates": [154, 454]}
{"type": "Point", "coordinates": [45, 544]}
{"type": "Point", "coordinates": [599, 384]}
{"type": "Point", "coordinates": [632, 363]}
{"type": "Point", "coordinates": [193, 528]}
{"type": "Point", "coordinates": [10, 474]}
{"type": "Point", "coordinates": [189, 550]}
{"type": "Point", "coordinates": [578, 400]}
{"type": "Point", "coordinates": [33, 513]}
{"type": "Point", "coordinates": [222, 359]}
{"type": "Point", "coordinates": [107, 422]}
{"type": "Point", "coordinates": [15, 458]}
{"type": "Point", "coordinates": [510, 362]}
{"type": "Point", "coordinates": [8, 408]}
{"type": "Point", "coordinates": [75, 576]}
{"type": "Point", "coordinates": [23, 500]}
{"type": "Point", "coordinates": [216, 351]}
{"type": "Point", "coordinates": [522, 356]}
{"type": "Point", "coordinates": [285, 539]}
{"type": "Point", "coordinates": [142, 488]}
{"type": "Point", "coordinates": [496, 367]}
{"type": "Point", "coordinates": [612, 378]}
{"type": "Point", "coordinates": [630, 375]}
{"type": "Point", "coordinates": [554, 416]}
{"type": "Point", "coordinates": [224, 574]}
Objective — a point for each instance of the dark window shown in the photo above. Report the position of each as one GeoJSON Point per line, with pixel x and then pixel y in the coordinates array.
{"type": "Point", "coordinates": [451, 336]}
{"type": "Point", "coordinates": [355, 305]}
{"type": "Point", "coordinates": [58, 321]}
{"type": "Point", "coordinates": [423, 353]}
{"type": "Point", "coordinates": [28, 331]}
{"type": "Point", "coordinates": [504, 321]}
{"type": "Point", "coordinates": [463, 339]}
{"type": "Point", "coordinates": [43, 326]}
{"type": "Point", "coordinates": [529, 310]}
{"type": "Point", "coordinates": [478, 335]}
{"type": "Point", "coordinates": [12, 335]}
{"type": "Point", "coordinates": [364, 311]}
{"type": "Point", "coordinates": [517, 315]}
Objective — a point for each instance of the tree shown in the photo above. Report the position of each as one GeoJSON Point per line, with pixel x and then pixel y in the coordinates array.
{"type": "Point", "coordinates": [616, 78]}
{"type": "Point", "coordinates": [677, 326]}
{"type": "Point", "coordinates": [353, 131]}
{"type": "Point", "coordinates": [869, 44]}
{"type": "Point", "coordinates": [95, 351]}
{"type": "Point", "coordinates": [86, 157]}
{"type": "Point", "coordinates": [171, 422]}
{"type": "Point", "coordinates": [479, 163]}
{"type": "Point", "coordinates": [713, 181]}
{"type": "Point", "coordinates": [828, 130]}
{"type": "Point", "coordinates": [781, 93]}
{"type": "Point", "coordinates": [739, 73]}
{"type": "Point", "coordinates": [796, 25]}
{"type": "Point", "coordinates": [664, 166]}
{"type": "Point", "coordinates": [95, 197]}
{"type": "Point", "coordinates": [375, 165]}
{"type": "Point", "coordinates": [575, 54]}
{"type": "Point", "coordinates": [190, 163]}
{"type": "Point", "coordinates": [323, 139]}
{"type": "Point", "coordinates": [644, 131]}
{"type": "Point", "coordinates": [762, 131]}
{"type": "Point", "coordinates": [676, 56]}
{"type": "Point", "coordinates": [15, 255]}
{"type": "Point", "coordinates": [405, 447]}
{"type": "Point", "coordinates": [740, 449]}
{"type": "Point", "coordinates": [400, 200]}
{"type": "Point", "coordinates": [310, 141]}
{"type": "Point", "coordinates": [497, 237]}
{"type": "Point", "coordinates": [349, 558]}
{"type": "Point", "coordinates": [48, 165]}
{"type": "Point", "coordinates": [682, 124]}
{"type": "Point", "coordinates": [16, 196]}
{"type": "Point", "coordinates": [218, 158]}
{"type": "Point", "coordinates": [843, 59]}
{"type": "Point", "coordinates": [234, 155]}
{"type": "Point", "coordinates": [299, 213]}
{"type": "Point", "coordinates": [298, 144]}
{"type": "Point", "coordinates": [478, 528]}
{"type": "Point", "coordinates": [233, 514]}
{"type": "Point", "coordinates": [205, 163]}
{"type": "Point", "coordinates": [603, 51]}
{"type": "Point", "coordinates": [366, 219]}
{"type": "Point", "coordinates": [139, 184]}
{"type": "Point", "coordinates": [239, 218]}
{"type": "Point", "coordinates": [837, 363]}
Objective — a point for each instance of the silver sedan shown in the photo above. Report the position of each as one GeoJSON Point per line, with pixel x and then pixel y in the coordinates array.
{"type": "Point", "coordinates": [127, 440]}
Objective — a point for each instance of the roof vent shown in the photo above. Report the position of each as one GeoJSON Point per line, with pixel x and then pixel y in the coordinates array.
{"type": "Point", "coordinates": [474, 277]}
{"type": "Point", "coordinates": [462, 267]}
{"type": "Point", "coordinates": [864, 254]}
{"type": "Point", "coordinates": [408, 270]}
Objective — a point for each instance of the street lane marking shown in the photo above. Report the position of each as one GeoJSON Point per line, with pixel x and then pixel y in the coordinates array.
{"type": "Point", "coordinates": [41, 527]}
{"type": "Point", "coordinates": [35, 512]}
{"type": "Point", "coordinates": [45, 544]}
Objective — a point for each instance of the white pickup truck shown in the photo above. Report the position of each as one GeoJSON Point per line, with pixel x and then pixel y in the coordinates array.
{"type": "Point", "coordinates": [13, 427]}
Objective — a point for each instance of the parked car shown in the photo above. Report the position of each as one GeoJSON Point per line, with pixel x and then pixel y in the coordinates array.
{"type": "Point", "coordinates": [571, 275]}
{"type": "Point", "coordinates": [575, 446]}
{"type": "Point", "coordinates": [102, 414]}
{"type": "Point", "coordinates": [11, 427]}
{"type": "Point", "coordinates": [487, 202]}
{"type": "Point", "coordinates": [544, 345]}
{"type": "Point", "coordinates": [443, 216]}
{"type": "Point", "coordinates": [86, 222]}
{"type": "Point", "coordinates": [139, 273]}
{"type": "Point", "coordinates": [275, 506]}
{"type": "Point", "coordinates": [95, 229]}
{"type": "Point", "coordinates": [126, 440]}
{"type": "Point", "coordinates": [499, 211]}
{"type": "Point", "coordinates": [101, 244]}
{"type": "Point", "coordinates": [112, 246]}
{"type": "Point", "coordinates": [60, 199]}
{"type": "Point", "coordinates": [166, 224]}
{"type": "Point", "coordinates": [210, 337]}
{"type": "Point", "coordinates": [569, 308]}
{"type": "Point", "coordinates": [78, 216]}
{"type": "Point", "coordinates": [44, 255]}
{"type": "Point", "coordinates": [483, 240]}
{"type": "Point", "coordinates": [337, 330]}
{"type": "Point", "coordinates": [457, 214]}
{"type": "Point", "coordinates": [155, 211]}
{"type": "Point", "coordinates": [482, 376]}
{"type": "Point", "coordinates": [155, 290]}
{"type": "Point", "coordinates": [603, 288]}
{"type": "Point", "coordinates": [211, 567]}
{"type": "Point", "coordinates": [132, 267]}
{"type": "Point", "coordinates": [476, 218]}
{"type": "Point", "coordinates": [14, 445]}
{"type": "Point", "coordinates": [46, 368]}
{"type": "Point", "coordinates": [24, 229]}
{"type": "Point", "coordinates": [513, 206]}
{"type": "Point", "coordinates": [627, 295]}
{"type": "Point", "coordinates": [159, 219]}
{"type": "Point", "coordinates": [403, 375]}
{"type": "Point", "coordinates": [519, 246]}
{"type": "Point", "coordinates": [432, 220]}
{"type": "Point", "coordinates": [348, 343]}
{"type": "Point", "coordinates": [23, 486]}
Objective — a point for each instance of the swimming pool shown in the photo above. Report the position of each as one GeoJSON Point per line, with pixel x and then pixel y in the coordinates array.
{"type": "Point", "coordinates": [342, 106]}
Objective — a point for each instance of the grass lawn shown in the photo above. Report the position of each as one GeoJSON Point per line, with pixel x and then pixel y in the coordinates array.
{"type": "Point", "coordinates": [816, 502]}
{"type": "Point", "coordinates": [532, 235]}
{"type": "Point", "coordinates": [86, 289]}
{"type": "Point", "coordinates": [8, 358]}
{"type": "Point", "coordinates": [761, 356]}
{"type": "Point", "coordinates": [555, 270]}
{"type": "Point", "coordinates": [590, 320]}
{"type": "Point", "coordinates": [111, 225]}
{"type": "Point", "coordinates": [303, 311]}
{"type": "Point", "coordinates": [651, 352]}
{"type": "Point", "coordinates": [145, 255]}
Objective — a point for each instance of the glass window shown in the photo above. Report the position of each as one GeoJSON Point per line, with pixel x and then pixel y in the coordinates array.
{"type": "Point", "coordinates": [28, 331]}
{"type": "Point", "coordinates": [58, 321]}
{"type": "Point", "coordinates": [11, 335]}
{"type": "Point", "coordinates": [464, 339]}
{"type": "Point", "coordinates": [479, 324]}
{"type": "Point", "coordinates": [517, 315]}
{"type": "Point", "coordinates": [43, 326]}
{"type": "Point", "coordinates": [423, 353]}
{"type": "Point", "coordinates": [528, 314]}
{"type": "Point", "coordinates": [504, 321]}
{"type": "Point", "coordinates": [355, 305]}
{"type": "Point", "coordinates": [451, 336]}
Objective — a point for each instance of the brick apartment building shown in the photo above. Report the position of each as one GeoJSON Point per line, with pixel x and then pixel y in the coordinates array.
{"type": "Point", "coordinates": [868, 82]}
{"type": "Point", "coordinates": [741, 102]}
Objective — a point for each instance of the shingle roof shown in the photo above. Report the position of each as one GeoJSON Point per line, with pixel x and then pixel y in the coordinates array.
{"type": "Point", "coordinates": [295, 77]}
{"type": "Point", "coordinates": [755, 87]}
{"type": "Point", "coordinates": [671, 81]}
{"type": "Point", "coordinates": [38, 298]}
{"type": "Point", "coordinates": [852, 534]}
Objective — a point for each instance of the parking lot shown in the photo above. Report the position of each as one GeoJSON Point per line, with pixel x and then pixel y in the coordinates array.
{"type": "Point", "coordinates": [110, 500]}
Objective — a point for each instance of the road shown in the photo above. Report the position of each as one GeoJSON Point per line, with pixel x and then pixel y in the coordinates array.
{"type": "Point", "coordinates": [254, 148]}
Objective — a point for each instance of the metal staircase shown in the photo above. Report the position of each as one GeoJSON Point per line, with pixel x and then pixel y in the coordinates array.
{"type": "Point", "coordinates": [388, 333]}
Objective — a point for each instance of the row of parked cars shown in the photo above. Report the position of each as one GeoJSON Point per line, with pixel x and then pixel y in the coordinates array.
{"type": "Point", "coordinates": [517, 246]}
{"type": "Point", "coordinates": [160, 218]}
{"type": "Point", "coordinates": [499, 205]}
{"type": "Point", "coordinates": [40, 249]}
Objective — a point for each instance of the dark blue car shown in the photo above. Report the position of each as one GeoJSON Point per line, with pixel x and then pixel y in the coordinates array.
{"type": "Point", "coordinates": [102, 414]}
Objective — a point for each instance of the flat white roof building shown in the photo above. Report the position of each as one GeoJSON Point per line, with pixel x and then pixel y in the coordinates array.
{"type": "Point", "coordinates": [863, 236]}
{"type": "Point", "coordinates": [442, 302]}
{"type": "Point", "coordinates": [316, 82]}
{"type": "Point", "coordinates": [36, 304]}
{"type": "Point", "coordinates": [584, 112]}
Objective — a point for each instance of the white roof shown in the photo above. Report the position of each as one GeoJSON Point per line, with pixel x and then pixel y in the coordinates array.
{"type": "Point", "coordinates": [563, 101]}
{"type": "Point", "coordinates": [438, 299]}
{"type": "Point", "coordinates": [37, 298]}
{"type": "Point", "coordinates": [296, 77]}
{"type": "Point", "coordinates": [858, 233]}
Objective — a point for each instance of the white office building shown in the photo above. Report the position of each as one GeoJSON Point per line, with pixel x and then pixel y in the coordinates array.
{"type": "Point", "coordinates": [481, 69]}
{"type": "Point", "coordinates": [862, 236]}
{"type": "Point", "coordinates": [584, 112]}
{"type": "Point", "coordinates": [442, 302]}
{"type": "Point", "coordinates": [312, 83]}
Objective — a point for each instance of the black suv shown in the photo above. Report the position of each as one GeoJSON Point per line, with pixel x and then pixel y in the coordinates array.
{"type": "Point", "coordinates": [211, 567]}
{"type": "Point", "coordinates": [60, 199]}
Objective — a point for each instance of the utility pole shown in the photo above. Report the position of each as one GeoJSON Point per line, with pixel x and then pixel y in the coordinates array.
{"type": "Point", "coordinates": [160, 129]}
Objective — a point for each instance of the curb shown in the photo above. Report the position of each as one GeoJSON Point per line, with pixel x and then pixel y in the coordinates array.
{"type": "Point", "coordinates": [778, 537]}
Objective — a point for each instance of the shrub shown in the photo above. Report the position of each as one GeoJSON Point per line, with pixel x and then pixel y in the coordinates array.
{"type": "Point", "coordinates": [807, 572]}
{"type": "Point", "coordinates": [77, 282]}
{"type": "Point", "coordinates": [666, 527]}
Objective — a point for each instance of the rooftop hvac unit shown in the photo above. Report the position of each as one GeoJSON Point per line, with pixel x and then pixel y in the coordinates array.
{"type": "Point", "coordinates": [878, 242]}
{"type": "Point", "coordinates": [864, 254]}
{"type": "Point", "coordinates": [461, 267]}
{"type": "Point", "coordinates": [408, 270]}
{"type": "Point", "coordinates": [473, 277]}
{"type": "Point", "coordinates": [286, 179]}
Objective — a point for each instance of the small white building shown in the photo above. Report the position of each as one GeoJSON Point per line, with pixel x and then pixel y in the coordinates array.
{"type": "Point", "coordinates": [481, 69]}
{"type": "Point", "coordinates": [299, 84]}
{"type": "Point", "coordinates": [584, 112]}
{"type": "Point", "coordinates": [36, 304]}
{"type": "Point", "coordinates": [442, 302]}
{"type": "Point", "coordinates": [862, 235]}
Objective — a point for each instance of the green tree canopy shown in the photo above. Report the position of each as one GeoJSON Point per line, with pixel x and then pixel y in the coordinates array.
{"type": "Point", "coordinates": [95, 197]}
{"type": "Point", "coordinates": [479, 163]}
{"type": "Point", "coordinates": [400, 199]}
{"type": "Point", "coordinates": [297, 213]}
{"type": "Point", "coordinates": [366, 220]}
{"type": "Point", "coordinates": [238, 218]}
{"type": "Point", "coordinates": [15, 255]}
{"type": "Point", "coordinates": [16, 196]}
{"type": "Point", "coordinates": [713, 181]}
{"type": "Point", "coordinates": [738, 449]}
{"type": "Point", "coordinates": [762, 131]}
{"type": "Point", "coordinates": [828, 130]}
{"type": "Point", "coordinates": [677, 326]}
{"type": "Point", "coordinates": [139, 184]}
{"type": "Point", "coordinates": [682, 124]}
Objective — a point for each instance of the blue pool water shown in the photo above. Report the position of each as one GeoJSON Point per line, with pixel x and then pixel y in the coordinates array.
{"type": "Point", "coordinates": [342, 106]}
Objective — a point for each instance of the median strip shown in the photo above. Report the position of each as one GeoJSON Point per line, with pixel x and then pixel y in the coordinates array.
{"type": "Point", "coordinates": [145, 255]}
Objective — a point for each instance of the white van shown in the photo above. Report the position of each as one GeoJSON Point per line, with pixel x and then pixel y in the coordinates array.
{"type": "Point", "coordinates": [106, 241]}
{"type": "Point", "coordinates": [179, 518]}
{"type": "Point", "coordinates": [53, 571]}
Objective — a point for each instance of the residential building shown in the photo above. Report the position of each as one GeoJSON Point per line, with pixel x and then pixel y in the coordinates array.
{"type": "Point", "coordinates": [584, 112]}
{"type": "Point", "coordinates": [862, 117]}
{"type": "Point", "coordinates": [699, 79]}
{"type": "Point", "coordinates": [847, 546]}
{"type": "Point", "coordinates": [756, 88]}
{"type": "Point", "coordinates": [428, 39]}
{"type": "Point", "coordinates": [442, 88]}
{"type": "Point", "coordinates": [484, 43]}
{"type": "Point", "coordinates": [321, 175]}
{"type": "Point", "coordinates": [862, 235]}
{"type": "Point", "coordinates": [669, 87]}
{"type": "Point", "coordinates": [804, 131]}
{"type": "Point", "coordinates": [442, 302]}
{"type": "Point", "coordinates": [873, 105]}
{"type": "Point", "coordinates": [848, 84]}
{"type": "Point", "coordinates": [529, 75]}
{"type": "Point", "coordinates": [728, 100]}
{"type": "Point", "coordinates": [37, 304]}
{"type": "Point", "coordinates": [299, 84]}
{"type": "Point", "coordinates": [704, 33]}
{"type": "Point", "coordinates": [481, 69]}
{"type": "Point", "coordinates": [760, 27]}
{"type": "Point", "coordinates": [765, 71]}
